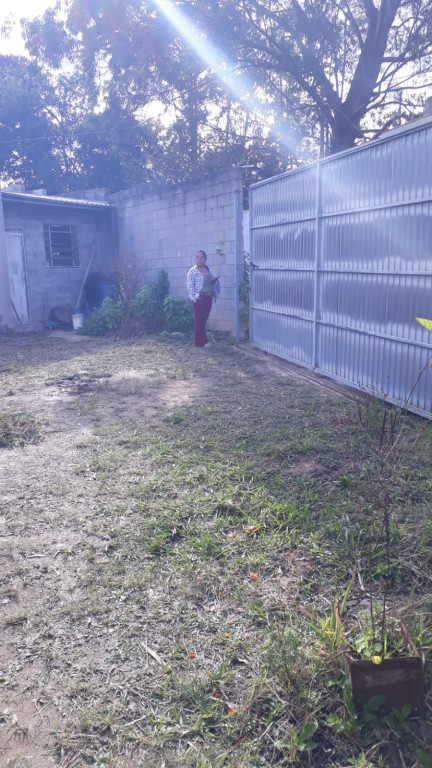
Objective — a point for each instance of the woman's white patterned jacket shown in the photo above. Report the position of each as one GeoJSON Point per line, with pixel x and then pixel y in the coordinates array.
{"type": "Point", "coordinates": [195, 281]}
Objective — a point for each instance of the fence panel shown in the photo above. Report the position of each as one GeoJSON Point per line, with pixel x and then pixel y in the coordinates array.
{"type": "Point", "coordinates": [341, 265]}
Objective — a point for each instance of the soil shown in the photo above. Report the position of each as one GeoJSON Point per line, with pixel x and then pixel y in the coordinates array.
{"type": "Point", "coordinates": [55, 489]}
{"type": "Point", "coordinates": [34, 539]}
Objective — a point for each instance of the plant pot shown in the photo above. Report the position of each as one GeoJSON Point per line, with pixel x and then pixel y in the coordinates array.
{"type": "Point", "coordinates": [399, 679]}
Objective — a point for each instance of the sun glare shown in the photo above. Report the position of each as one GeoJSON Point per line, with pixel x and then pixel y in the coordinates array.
{"type": "Point", "coordinates": [238, 84]}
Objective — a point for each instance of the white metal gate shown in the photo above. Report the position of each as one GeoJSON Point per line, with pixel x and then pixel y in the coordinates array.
{"type": "Point", "coordinates": [341, 265]}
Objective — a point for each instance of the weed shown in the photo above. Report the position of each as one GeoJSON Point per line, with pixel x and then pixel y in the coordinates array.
{"type": "Point", "coordinates": [18, 429]}
{"type": "Point", "coordinates": [103, 320]}
{"type": "Point", "coordinates": [282, 655]}
{"type": "Point", "coordinates": [96, 720]}
{"type": "Point", "coordinates": [178, 314]}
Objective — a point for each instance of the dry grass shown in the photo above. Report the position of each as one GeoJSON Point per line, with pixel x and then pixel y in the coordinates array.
{"type": "Point", "coordinates": [17, 429]}
{"type": "Point", "coordinates": [173, 546]}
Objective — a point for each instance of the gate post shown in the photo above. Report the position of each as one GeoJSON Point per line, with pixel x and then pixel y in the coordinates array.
{"type": "Point", "coordinates": [318, 259]}
{"type": "Point", "coordinates": [237, 280]}
{"type": "Point", "coordinates": [251, 258]}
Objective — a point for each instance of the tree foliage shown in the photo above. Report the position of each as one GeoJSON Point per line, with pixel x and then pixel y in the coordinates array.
{"type": "Point", "coordinates": [26, 134]}
{"type": "Point", "coordinates": [179, 118]}
{"type": "Point", "coordinates": [118, 96]}
{"type": "Point", "coordinates": [346, 66]}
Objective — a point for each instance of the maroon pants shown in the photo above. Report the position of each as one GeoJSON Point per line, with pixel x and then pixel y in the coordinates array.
{"type": "Point", "coordinates": [202, 307]}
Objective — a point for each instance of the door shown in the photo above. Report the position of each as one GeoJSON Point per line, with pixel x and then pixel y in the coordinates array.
{"type": "Point", "coordinates": [17, 275]}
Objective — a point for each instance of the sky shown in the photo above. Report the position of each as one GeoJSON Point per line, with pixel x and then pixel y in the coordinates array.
{"type": "Point", "coordinates": [18, 9]}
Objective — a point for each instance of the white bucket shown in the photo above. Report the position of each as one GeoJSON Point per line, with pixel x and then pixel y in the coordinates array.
{"type": "Point", "coordinates": [77, 321]}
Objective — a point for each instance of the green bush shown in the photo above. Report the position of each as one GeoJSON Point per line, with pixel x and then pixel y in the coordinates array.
{"type": "Point", "coordinates": [103, 320]}
{"type": "Point", "coordinates": [148, 304]}
{"type": "Point", "coordinates": [145, 304]}
{"type": "Point", "coordinates": [147, 308]}
{"type": "Point", "coordinates": [161, 286]}
{"type": "Point", "coordinates": [178, 314]}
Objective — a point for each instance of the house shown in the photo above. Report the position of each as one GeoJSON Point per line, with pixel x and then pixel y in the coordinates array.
{"type": "Point", "coordinates": [49, 245]}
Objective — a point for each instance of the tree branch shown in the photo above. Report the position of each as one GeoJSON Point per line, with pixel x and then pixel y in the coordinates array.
{"type": "Point", "coordinates": [353, 22]}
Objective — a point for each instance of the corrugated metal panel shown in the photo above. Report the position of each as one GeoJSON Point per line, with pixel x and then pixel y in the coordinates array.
{"type": "Point", "coordinates": [278, 201]}
{"type": "Point", "coordinates": [288, 245]}
{"type": "Point", "coordinates": [340, 279]}
{"type": "Point", "coordinates": [387, 367]}
{"type": "Point", "coordinates": [284, 293]}
{"type": "Point", "coordinates": [377, 174]}
{"type": "Point", "coordinates": [288, 337]}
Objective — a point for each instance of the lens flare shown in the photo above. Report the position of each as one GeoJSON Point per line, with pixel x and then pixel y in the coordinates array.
{"type": "Point", "coordinates": [225, 70]}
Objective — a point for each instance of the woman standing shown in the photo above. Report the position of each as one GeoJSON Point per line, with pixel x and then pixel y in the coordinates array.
{"type": "Point", "coordinates": [202, 288]}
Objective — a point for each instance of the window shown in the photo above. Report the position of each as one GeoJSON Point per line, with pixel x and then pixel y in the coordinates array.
{"type": "Point", "coordinates": [61, 245]}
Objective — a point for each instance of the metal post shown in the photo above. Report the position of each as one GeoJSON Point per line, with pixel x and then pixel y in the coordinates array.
{"type": "Point", "coordinates": [251, 261]}
{"type": "Point", "coordinates": [317, 282]}
{"type": "Point", "coordinates": [237, 280]}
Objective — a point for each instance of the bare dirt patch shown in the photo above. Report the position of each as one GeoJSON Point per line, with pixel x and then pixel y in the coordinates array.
{"type": "Point", "coordinates": [49, 492]}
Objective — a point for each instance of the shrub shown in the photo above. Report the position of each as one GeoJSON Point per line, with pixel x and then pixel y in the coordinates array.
{"type": "Point", "coordinates": [143, 313]}
{"type": "Point", "coordinates": [178, 314]}
{"type": "Point", "coordinates": [148, 304]}
{"type": "Point", "coordinates": [145, 304]}
{"type": "Point", "coordinates": [244, 295]}
{"type": "Point", "coordinates": [103, 320]}
{"type": "Point", "coordinates": [161, 286]}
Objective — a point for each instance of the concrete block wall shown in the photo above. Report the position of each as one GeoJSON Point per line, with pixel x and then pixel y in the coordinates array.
{"type": "Point", "coordinates": [49, 287]}
{"type": "Point", "coordinates": [161, 227]}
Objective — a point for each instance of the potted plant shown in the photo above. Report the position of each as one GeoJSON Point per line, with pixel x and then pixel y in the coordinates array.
{"type": "Point", "coordinates": [390, 671]}
{"type": "Point", "coordinates": [381, 658]}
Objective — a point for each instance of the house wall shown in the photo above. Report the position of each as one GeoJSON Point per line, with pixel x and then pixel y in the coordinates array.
{"type": "Point", "coordinates": [162, 227]}
{"type": "Point", "coordinates": [49, 287]}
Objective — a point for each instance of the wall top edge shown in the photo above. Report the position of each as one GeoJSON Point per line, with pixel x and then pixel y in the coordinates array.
{"type": "Point", "coordinates": [160, 187]}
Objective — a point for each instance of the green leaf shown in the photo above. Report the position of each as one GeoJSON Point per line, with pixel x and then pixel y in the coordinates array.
{"type": "Point", "coordinates": [426, 323]}
{"type": "Point", "coordinates": [306, 746]}
{"type": "Point", "coordinates": [308, 730]}
{"type": "Point", "coordinates": [374, 703]}
{"type": "Point", "coordinates": [368, 717]}
{"type": "Point", "coordinates": [282, 744]}
{"type": "Point", "coordinates": [424, 759]}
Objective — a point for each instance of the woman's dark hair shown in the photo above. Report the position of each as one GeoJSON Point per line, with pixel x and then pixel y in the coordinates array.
{"type": "Point", "coordinates": [203, 253]}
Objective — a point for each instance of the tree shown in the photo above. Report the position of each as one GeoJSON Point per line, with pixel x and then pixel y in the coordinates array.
{"type": "Point", "coordinates": [113, 150]}
{"type": "Point", "coordinates": [134, 59]}
{"type": "Point", "coordinates": [137, 102]}
{"type": "Point", "coordinates": [344, 65]}
{"type": "Point", "coordinates": [26, 135]}
{"type": "Point", "coordinates": [134, 62]}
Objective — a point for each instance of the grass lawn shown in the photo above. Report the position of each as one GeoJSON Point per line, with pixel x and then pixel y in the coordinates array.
{"type": "Point", "coordinates": [177, 525]}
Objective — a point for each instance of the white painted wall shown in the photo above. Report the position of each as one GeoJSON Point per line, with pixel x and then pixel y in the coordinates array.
{"type": "Point", "coordinates": [5, 302]}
